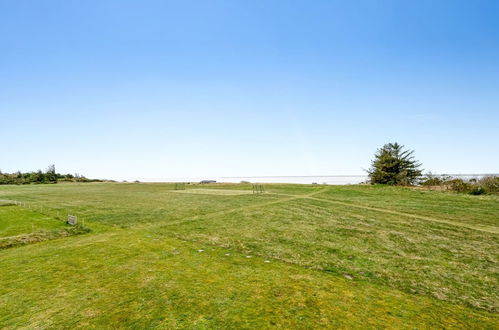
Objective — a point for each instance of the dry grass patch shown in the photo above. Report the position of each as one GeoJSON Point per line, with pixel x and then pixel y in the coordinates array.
{"type": "Point", "coordinates": [224, 192]}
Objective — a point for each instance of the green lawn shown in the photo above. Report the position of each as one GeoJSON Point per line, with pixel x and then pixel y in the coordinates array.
{"type": "Point", "coordinates": [304, 256]}
{"type": "Point", "coordinates": [20, 225]}
{"type": "Point", "coordinates": [15, 220]}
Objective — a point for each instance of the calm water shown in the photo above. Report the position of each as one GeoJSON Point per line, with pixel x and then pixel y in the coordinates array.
{"type": "Point", "coordinates": [272, 179]}
{"type": "Point", "coordinates": [301, 179]}
{"type": "Point", "coordinates": [328, 179]}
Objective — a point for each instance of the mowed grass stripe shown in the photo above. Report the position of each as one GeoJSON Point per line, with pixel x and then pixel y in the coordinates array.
{"type": "Point", "coordinates": [479, 210]}
{"type": "Point", "coordinates": [130, 205]}
{"type": "Point", "coordinates": [282, 199]}
{"type": "Point", "coordinates": [418, 256]}
{"type": "Point", "coordinates": [132, 279]}
{"type": "Point", "coordinates": [224, 192]}
{"type": "Point", "coordinates": [490, 229]}
{"type": "Point", "coordinates": [424, 259]}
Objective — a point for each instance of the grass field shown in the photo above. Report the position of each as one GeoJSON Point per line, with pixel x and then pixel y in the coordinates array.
{"type": "Point", "coordinates": [217, 256]}
{"type": "Point", "coordinates": [17, 221]}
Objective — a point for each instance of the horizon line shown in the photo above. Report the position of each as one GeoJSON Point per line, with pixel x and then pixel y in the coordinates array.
{"type": "Point", "coordinates": [310, 176]}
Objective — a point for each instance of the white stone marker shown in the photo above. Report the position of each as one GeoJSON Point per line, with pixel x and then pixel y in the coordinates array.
{"type": "Point", "coordinates": [72, 220]}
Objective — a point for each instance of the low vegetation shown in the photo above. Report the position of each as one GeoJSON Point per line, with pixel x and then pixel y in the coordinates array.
{"type": "Point", "coordinates": [49, 176]}
{"type": "Point", "coordinates": [485, 185]}
{"type": "Point", "coordinates": [219, 256]}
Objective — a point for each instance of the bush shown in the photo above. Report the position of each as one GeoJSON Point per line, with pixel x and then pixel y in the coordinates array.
{"type": "Point", "coordinates": [477, 190]}
{"type": "Point", "coordinates": [486, 185]}
{"type": "Point", "coordinates": [490, 184]}
{"type": "Point", "coordinates": [459, 185]}
{"type": "Point", "coordinates": [434, 180]}
{"type": "Point", "coordinates": [430, 180]}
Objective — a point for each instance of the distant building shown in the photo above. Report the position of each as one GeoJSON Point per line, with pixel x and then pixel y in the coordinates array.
{"type": "Point", "coordinates": [207, 181]}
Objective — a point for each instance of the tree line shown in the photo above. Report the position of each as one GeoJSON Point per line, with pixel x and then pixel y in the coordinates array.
{"type": "Point", "coordinates": [48, 176]}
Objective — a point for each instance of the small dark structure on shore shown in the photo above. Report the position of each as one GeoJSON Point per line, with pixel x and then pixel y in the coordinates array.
{"type": "Point", "coordinates": [207, 181]}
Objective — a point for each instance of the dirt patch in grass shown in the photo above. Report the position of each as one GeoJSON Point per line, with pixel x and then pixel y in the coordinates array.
{"type": "Point", "coordinates": [224, 192]}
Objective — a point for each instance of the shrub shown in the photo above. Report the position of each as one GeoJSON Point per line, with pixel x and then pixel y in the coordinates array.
{"type": "Point", "coordinates": [476, 190]}
{"type": "Point", "coordinates": [490, 184]}
{"type": "Point", "coordinates": [434, 180]}
{"type": "Point", "coordinates": [459, 185]}
{"type": "Point", "coordinates": [486, 185]}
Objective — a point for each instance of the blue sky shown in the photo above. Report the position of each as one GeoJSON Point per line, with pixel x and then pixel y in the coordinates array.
{"type": "Point", "coordinates": [135, 89]}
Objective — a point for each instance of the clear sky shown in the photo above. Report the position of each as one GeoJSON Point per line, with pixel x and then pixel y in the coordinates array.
{"type": "Point", "coordinates": [161, 89]}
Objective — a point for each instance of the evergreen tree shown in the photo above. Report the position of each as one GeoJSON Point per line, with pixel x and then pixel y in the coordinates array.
{"type": "Point", "coordinates": [393, 165]}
